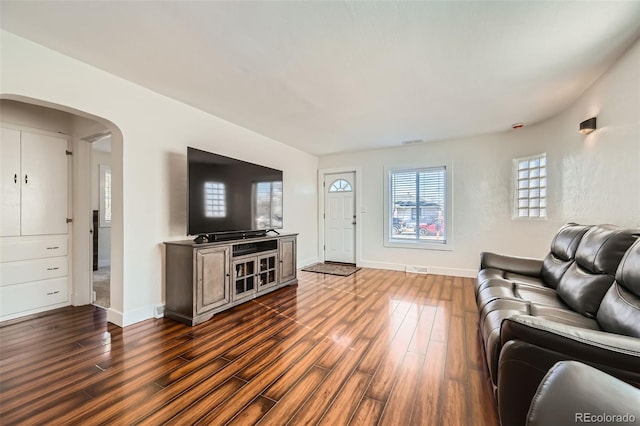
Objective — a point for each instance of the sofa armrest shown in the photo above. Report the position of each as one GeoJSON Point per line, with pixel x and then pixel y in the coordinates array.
{"type": "Point", "coordinates": [531, 346]}
{"type": "Point", "coordinates": [518, 265]}
{"type": "Point", "coordinates": [592, 346]}
{"type": "Point", "coordinates": [572, 392]}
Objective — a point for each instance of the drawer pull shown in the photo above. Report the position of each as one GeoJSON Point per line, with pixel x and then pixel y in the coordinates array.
{"type": "Point", "coordinates": [53, 269]}
{"type": "Point", "coordinates": [53, 248]}
{"type": "Point", "coordinates": [53, 292]}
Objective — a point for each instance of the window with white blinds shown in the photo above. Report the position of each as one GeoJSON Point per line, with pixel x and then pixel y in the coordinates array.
{"type": "Point", "coordinates": [530, 178]}
{"type": "Point", "coordinates": [418, 204]}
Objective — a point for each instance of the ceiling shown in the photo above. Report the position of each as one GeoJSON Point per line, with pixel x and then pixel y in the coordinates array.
{"type": "Point", "coordinates": [329, 77]}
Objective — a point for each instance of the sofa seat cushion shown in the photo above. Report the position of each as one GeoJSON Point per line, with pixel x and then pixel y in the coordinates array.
{"type": "Point", "coordinates": [564, 316]}
{"type": "Point", "coordinates": [540, 296]}
{"type": "Point", "coordinates": [493, 273]}
{"type": "Point", "coordinates": [496, 311]}
{"type": "Point", "coordinates": [508, 279]}
{"type": "Point", "coordinates": [527, 293]}
{"type": "Point", "coordinates": [496, 266]}
{"type": "Point", "coordinates": [524, 279]}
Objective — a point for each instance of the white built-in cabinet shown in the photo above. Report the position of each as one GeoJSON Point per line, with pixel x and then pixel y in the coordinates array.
{"type": "Point", "coordinates": [34, 240]}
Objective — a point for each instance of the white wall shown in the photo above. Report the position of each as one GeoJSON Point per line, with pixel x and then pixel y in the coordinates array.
{"type": "Point", "coordinates": [150, 136]}
{"type": "Point", "coordinates": [592, 179]}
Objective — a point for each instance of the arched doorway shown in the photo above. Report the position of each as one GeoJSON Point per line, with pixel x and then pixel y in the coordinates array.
{"type": "Point", "coordinates": [79, 125]}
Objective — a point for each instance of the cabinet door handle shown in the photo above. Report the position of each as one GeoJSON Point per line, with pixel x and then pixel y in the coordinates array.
{"type": "Point", "coordinates": [53, 248]}
{"type": "Point", "coordinates": [53, 269]}
{"type": "Point", "coordinates": [15, 178]}
{"type": "Point", "coordinates": [26, 179]}
{"type": "Point", "coordinates": [53, 292]}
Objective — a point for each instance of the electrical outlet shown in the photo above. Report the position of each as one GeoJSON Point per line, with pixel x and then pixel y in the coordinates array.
{"type": "Point", "coordinates": [159, 313]}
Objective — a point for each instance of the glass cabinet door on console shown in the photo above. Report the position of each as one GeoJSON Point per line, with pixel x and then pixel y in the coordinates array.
{"type": "Point", "coordinates": [267, 272]}
{"type": "Point", "coordinates": [244, 278]}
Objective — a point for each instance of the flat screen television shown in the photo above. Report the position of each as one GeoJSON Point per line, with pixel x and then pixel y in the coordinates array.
{"type": "Point", "coordinates": [227, 195]}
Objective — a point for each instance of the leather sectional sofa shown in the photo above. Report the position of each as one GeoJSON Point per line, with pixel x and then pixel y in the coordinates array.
{"type": "Point", "coordinates": [582, 302]}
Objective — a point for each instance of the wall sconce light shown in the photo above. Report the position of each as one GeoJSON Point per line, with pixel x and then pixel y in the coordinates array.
{"type": "Point", "coordinates": [588, 126]}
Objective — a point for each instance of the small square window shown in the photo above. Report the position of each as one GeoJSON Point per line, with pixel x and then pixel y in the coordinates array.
{"type": "Point", "coordinates": [215, 199]}
{"type": "Point", "coordinates": [530, 186]}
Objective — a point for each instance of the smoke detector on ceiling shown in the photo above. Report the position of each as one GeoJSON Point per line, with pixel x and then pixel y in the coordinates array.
{"type": "Point", "coordinates": [411, 142]}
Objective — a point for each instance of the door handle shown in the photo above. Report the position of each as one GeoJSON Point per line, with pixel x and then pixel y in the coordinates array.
{"type": "Point", "coordinates": [26, 179]}
{"type": "Point", "coordinates": [15, 178]}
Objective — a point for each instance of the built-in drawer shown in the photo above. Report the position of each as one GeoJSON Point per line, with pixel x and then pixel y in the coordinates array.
{"type": "Point", "coordinates": [33, 270]}
{"type": "Point", "coordinates": [13, 249]}
{"type": "Point", "coordinates": [35, 295]}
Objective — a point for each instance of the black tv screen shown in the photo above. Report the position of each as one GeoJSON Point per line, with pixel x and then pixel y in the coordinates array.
{"type": "Point", "coordinates": [230, 195]}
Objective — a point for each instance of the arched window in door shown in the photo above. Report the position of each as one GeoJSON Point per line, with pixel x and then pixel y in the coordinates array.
{"type": "Point", "coordinates": [340, 185]}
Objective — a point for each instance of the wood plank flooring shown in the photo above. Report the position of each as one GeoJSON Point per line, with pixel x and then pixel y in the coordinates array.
{"type": "Point", "coordinates": [377, 347]}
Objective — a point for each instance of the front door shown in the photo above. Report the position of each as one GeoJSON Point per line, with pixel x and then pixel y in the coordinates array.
{"type": "Point", "coordinates": [340, 217]}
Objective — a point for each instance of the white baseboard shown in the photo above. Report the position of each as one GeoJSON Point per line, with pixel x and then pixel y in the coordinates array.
{"type": "Point", "coordinates": [32, 311]}
{"type": "Point", "coordinates": [420, 269]}
{"type": "Point", "coordinates": [115, 317]}
{"type": "Point", "coordinates": [123, 319]}
{"type": "Point", "coordinates": [307, 262]}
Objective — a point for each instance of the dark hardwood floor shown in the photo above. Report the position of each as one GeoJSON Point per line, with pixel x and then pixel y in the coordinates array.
{"type": "Point", "coordinates": [377, 347]}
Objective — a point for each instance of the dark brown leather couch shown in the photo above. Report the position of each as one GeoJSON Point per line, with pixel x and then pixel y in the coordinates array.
{"type": "Point", "coordinates": [581, 302]}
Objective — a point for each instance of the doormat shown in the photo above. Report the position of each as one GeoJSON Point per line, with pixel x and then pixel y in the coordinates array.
{"type": "Point", "coordinates": [332, 269]}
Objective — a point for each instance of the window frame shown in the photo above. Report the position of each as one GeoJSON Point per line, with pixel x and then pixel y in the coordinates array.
{"type": "Point", "coordinates": [106, 187]}
{"type": "Point", "coordinates": [515, 180]}
{"type": "Point", "coordinates": [345, 188]}
{"type": "Point", "coordinates": [389, 240]}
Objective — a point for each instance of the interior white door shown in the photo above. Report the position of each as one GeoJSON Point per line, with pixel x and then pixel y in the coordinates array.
{"type": "Point", "coordinates": [44, 184]}
{"type": "Point", "coordinates": [340, 217]}
{"type": "Point", "coordinates": [10, 185]}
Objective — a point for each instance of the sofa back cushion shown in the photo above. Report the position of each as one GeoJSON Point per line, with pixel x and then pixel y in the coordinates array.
{"type": "Point", "coordinates": [620, 308]}
{"type": "Point", "coordinates": [598, 255]}
{"type": "Point", "coordinates": [563, 252]}
{"type": "Point", "coordinates": [603, 246]}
